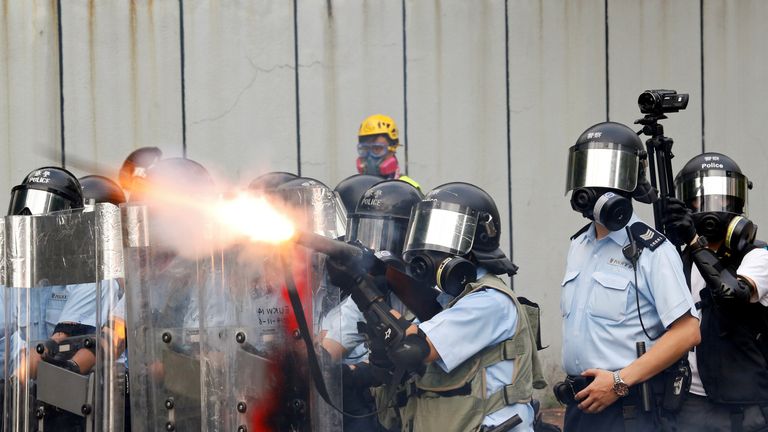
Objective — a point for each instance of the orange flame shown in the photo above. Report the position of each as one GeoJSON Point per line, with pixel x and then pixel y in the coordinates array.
{"type": "Point", "coordinates": [255, 218]}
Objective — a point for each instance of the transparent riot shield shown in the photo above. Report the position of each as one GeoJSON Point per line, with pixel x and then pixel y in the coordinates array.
{"type": "Point", "coordinates": [165, 282]}
{"type": "Point", "coordinates": [63, 277]}
{"type": "Point", "coordinates": [317, 209]}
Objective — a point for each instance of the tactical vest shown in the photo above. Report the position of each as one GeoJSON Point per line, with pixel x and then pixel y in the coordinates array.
{"type": "Point", "coordinates": [457, 401]}
{"type": "Point", "coordinates": [733, 354]}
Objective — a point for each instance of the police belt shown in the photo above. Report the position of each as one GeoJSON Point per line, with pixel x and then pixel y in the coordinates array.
{"type": "Point", "coordinates": [579, 383]}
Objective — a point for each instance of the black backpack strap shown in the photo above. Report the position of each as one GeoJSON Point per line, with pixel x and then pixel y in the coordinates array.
{"type": "Point", "coordinates": [581, 231]}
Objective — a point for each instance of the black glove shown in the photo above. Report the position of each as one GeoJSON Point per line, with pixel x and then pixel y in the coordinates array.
{"type": "Point", "coordinates": [361, 376]}
{"type": "Point", "coordinates": [342, 274]}
{"type": "Point", "coordinates": [678, 223]}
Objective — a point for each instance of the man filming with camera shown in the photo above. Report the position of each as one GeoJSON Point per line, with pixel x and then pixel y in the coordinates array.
{"type": "Point", "coordinates": [728, 274]}
{"type": "Point", "coordinates": [623, 284]}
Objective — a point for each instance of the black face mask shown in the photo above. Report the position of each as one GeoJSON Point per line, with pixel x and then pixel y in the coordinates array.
{"type": "Point", "coordinates": [449, 272]}
{"type": "Point", "coordinates": [603, 206]}
{"type": "Point", "coordinates": [737, 232]}
{"type": "Point", "coordinates": [712, 225]}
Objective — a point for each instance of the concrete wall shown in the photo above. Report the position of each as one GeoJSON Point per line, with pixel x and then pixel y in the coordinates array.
{"type": "Point", "coordinates": [488, 91]}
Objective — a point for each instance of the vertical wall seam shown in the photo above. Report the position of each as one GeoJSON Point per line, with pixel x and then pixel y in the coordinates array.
{"type": "Point", "coordinates": [607, 69]}
{"type": "Point", "coordinates": [61, 85]}
{"type": "Point", "coordinates": [296, 84]}
{"type": "Point", "coordinates": [509, 137]}
{"type": "Point", "coordinates": [405, 88]}
{"type": "Point", "coordinates": [701, 60]}
{"type": "Point", "coordinates": [183, 81]}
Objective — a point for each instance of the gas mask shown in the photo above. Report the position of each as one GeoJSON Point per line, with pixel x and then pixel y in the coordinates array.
{"type": "Point", "coordinates": [737, 232]}
{"type": "Point", "coordinates": [383, 166]}
{"type": "Point", "coordinates": [450, 273]}
{"type": "Point", "coordinates": [602, 205]}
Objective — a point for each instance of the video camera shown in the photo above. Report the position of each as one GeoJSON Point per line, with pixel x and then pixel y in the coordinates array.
{"type": "Point", "coordinates": [662, 101]}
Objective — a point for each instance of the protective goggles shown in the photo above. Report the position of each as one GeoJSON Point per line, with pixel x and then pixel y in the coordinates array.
{"type": "Point", "coordinates": [714, 191]}
{"type": "Point", "coordinates": [378, 233]}
{"type": "Point", "coordinates": [602, 164]}
{"type": "Point", "coordinates": [373, 149]}
{"type": "Point", "coordinates": [440, 226]}
{"type": "Point", "coordinates": [36, 201]}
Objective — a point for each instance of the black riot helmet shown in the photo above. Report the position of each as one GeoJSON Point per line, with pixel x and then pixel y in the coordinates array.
{"type": "Point", "coordinates": [100, 189]}
{"type": "Point", "coordinates": [606, 168]}
{"type": "Point", "coordinates": [455, 226]}
{"type": "Point", "coordinates": [320, 208]}
{"type": "Point", "coordinates": [137, 164]}
{"type": "Point", "coordinates": [46, 190]}
{"type": "Point", "coordinates": [270, 181]}
{"type": "Point", "coordinates": [380, 219]}
{"type": "Point", "coordinates": [714, 188]}
{"type": "Point", "coordinates": [352, 188]}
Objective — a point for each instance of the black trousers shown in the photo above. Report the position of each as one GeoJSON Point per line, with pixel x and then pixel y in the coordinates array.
{"type": "Point", "coordinates": [611, 419]}
{"type": "Point", "coordinates": [700, 415]}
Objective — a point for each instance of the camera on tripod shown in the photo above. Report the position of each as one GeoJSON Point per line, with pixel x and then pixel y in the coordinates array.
{"type": "Point", "coordinates": [662, 101]}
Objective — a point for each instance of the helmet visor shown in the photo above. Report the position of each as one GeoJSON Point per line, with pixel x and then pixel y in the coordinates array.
{"type": "Point", "coordinates": [714, 191]}
{"type": "Point", "coordinates": [37, 201]}
{"type": "Point", "coordinates": [321, 209]}
{"type": "Point", "coordinates": [440, 226]}
{"type": "Point", "coordinates": [602, 165]}
{"type": "Point", "coordinates": [379, 234]}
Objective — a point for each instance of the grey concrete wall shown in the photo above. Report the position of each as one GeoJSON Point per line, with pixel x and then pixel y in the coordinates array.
{"type": "Point", "coordinates": [488, 91]}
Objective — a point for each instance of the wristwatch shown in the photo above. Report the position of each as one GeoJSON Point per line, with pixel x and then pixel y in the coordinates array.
{"type": "Point", "coordinates": [619, 386]}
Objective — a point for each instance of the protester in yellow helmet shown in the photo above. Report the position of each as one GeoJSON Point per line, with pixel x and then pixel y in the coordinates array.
{"type": "Point", "coordinates": [378, 140]}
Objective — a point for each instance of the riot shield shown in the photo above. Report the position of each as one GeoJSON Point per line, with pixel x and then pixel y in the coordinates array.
{"type": "Point", "coordinates": [318, 209]}
{"type": "Point", "coordinates": [62, 279]}
{"type": "Point", "coordinates": [163, 309]}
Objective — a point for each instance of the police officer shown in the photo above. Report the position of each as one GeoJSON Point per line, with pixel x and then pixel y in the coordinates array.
{"type": "Point", "coordinates": [353, 187]}
{"type": "Point", "coordinates": [136, 166]}
{"type": "Point", "coordinates": [379, 222]}
{"type": "Point", "coordinates": [729, 282]}
{"type": "Point", "coordinates": [623, 284]}
{"type": "Point", "coordinates": [477, 358]}
{"type": "Point", "coordinates": [54, 314]}
{"type": "Point", "coordinates": [67, 310]}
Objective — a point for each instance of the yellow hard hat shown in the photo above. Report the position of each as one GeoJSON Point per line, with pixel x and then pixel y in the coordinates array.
{"type": "Point", "coordinates": [379, 124]}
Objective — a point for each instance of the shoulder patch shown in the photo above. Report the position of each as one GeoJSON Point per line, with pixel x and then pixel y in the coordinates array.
{"type": "Point", "coordinates": [581, 231]}
{"type": "Point", "coordinates": [646, 236]}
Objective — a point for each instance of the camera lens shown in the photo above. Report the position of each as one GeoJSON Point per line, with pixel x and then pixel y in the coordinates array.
{"type": "Point", "coordinates": [647, 102]}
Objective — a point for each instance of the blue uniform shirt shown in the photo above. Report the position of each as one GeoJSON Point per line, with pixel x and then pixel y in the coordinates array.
{"type": "Point", "coordinates": [476, 321]}
{"type": "Point", "coordinates": [598, 303]}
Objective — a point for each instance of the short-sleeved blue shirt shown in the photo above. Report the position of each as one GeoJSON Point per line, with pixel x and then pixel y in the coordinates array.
{"type": "Point", "coordinates": [599, 306]}
{"type": "Point", "coordinates": [479, 320]}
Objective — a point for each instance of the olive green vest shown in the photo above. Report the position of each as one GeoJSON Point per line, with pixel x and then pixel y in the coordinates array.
{"type": "Point", "coordinates": [457, 401]}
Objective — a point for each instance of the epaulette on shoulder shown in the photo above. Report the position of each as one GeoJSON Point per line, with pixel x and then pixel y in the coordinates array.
{"type": "Point", "coordinates": [581, 231]}
{"type": "Point", "coordinates": [646, 237]}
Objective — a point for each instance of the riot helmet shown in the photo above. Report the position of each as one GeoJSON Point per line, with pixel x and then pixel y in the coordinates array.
{"type": "Point", "coordinates": [714, 188]}
{"type": "Point", "coordinates": [606, 168]}
{"type": "Point", "coordinates": [137, 164]}
{"type": "Point", "coordinates": [46, 190]}
{"type": "Point", "coordinates": [100, 189]}
{"type": "Point", "coordinates": [270, 181]}
{"type": "Point", "coordinates": [352, 188]}
{"type": "Point", "coordinates": [320, 208]}
{"type": "Point", "coordinates": [456, 226]}
{"type": "Point", "coordinates": [380, 219]}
